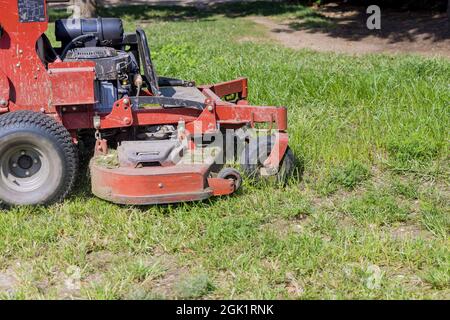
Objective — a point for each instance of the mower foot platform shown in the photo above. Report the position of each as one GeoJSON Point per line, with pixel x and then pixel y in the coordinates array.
{"type": "Point", "coordinates": [157, 184]}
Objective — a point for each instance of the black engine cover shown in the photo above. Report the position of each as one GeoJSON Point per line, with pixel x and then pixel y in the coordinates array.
{"type": "Point", "coordinates": [110, 64]}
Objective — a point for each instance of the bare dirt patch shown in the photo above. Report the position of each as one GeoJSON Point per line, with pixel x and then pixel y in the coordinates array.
{"type": "Point", "coordinates": [293, 287]}
{"type": "Point", "coordinates": [250, 39]}
{"type": "Point", "coordinates": [407, 232]}
{"type": "Point", "coordinates": [8, 282]}
{"type": "Point", "coordinates": [401, 32]}
{"type": "Point", "coordinates": [163, 285]}
{"type": "Point", "coordinates": [284, 227]}
{"type": "Point", "coordinates": [102, 259]}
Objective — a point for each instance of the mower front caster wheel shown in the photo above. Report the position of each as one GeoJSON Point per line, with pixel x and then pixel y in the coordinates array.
{"type": "Point", "coordinates": [38, 160]}
{"type": "Point", "coordinates": [231, 174]}
{"type": "Point", "coordinates": [256, 153]}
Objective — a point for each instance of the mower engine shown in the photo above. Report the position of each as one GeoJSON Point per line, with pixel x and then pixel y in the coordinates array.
{"type": "Point", "coordinates": [102, 41]}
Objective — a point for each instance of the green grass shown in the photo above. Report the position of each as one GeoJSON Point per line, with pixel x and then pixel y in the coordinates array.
{"type": "Point", "coordinates": [369, 218]}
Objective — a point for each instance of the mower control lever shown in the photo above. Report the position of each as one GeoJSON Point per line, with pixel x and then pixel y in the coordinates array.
{"type": "Point", "coordinates": [147, 63]}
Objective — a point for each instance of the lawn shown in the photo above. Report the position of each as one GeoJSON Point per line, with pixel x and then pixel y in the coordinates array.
{"type": "Point", "coordinates": [368, 218]}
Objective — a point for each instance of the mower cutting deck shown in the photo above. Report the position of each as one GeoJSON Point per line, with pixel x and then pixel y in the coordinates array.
{"type": "Point", "coordinates": [127, 182]}
{"type": "Point", "coordinates": [155, 137]}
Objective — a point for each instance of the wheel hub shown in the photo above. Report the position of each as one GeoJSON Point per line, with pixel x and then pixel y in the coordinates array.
{"type": "Point", "coordinates": [24, 168]}
{"type": "Point", "coordinates": [24, 163]}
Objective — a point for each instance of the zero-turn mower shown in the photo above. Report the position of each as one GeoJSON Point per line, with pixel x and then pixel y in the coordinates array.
{"type": "Point", "coordinates": [155, 137]}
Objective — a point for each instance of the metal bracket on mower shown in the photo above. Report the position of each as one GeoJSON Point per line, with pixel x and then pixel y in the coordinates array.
{"type": "Point", "coordinates": [101, 147]}
{"type": "Point", "coordinates": [120, 116]}
{"type": "Point", "coordinates": [272, 163]}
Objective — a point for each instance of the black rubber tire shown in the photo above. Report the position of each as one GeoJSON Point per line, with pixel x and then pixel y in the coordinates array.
{"type": "Point", "coordinates": [257, 151]}
{"type": "Point", "coordinates": [54, 145]}
{"type": "Point", "coordinates": [230, 173]}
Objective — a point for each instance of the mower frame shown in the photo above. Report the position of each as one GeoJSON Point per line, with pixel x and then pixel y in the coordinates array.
{"type": "Point", "coordinates": [65, 91]}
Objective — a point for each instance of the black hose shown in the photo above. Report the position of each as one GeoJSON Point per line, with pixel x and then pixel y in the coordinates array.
{"type": "Point", "coordinates": [83, 37]}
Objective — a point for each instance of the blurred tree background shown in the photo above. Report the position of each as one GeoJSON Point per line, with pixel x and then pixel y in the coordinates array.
{"type": "Point", "coordinates": [440, 5]}
{"type": "Point", "coordinates": [87, 7]}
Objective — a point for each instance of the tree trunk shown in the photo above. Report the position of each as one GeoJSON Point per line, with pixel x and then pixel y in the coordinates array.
{"type": "Point", "coordinates": [87, 8]}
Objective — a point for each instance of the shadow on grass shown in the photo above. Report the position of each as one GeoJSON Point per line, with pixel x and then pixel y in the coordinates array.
{"type": "Point", "coordinates": [180, 13]}
{"type": "Point", "coordinates": [190, 13]}
{"type": "Point", "coordinates": [349, 23]}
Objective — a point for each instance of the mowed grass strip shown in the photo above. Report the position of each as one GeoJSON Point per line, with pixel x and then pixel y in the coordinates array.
{"type": "Point", "coordinates": [368, 218]}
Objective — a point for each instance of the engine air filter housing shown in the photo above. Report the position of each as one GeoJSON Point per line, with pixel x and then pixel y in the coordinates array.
{"type": "Point", "coordinates": [108, 31]}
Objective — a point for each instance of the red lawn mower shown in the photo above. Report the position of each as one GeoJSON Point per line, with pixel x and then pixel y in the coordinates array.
{"type": "Point", "coordinates": [149, 133]}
